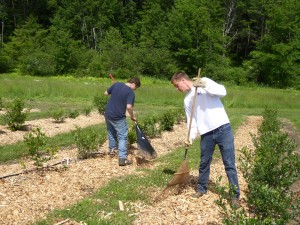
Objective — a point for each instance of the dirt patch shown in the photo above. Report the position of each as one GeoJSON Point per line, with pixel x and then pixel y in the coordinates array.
{"type": "Point", "coordinates": [49, 127]}
{"type": "Point", "coordinates": [31, 196]}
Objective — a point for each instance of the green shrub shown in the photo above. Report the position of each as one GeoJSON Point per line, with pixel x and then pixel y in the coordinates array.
{"type": "Point", "coordinates": [73, 114]}
{"type": "Point", "coordinates": [36, 143]}
{"type": "Point", "coordinates": [167, 121]}
{"type": "Point", "coordinates": [282, 165]}
{"type": "Point", "coordinates": [4, 63]}
{"type": "Point", "coordinates": [179, 115]}
{"type": "Point", "coordinates": [277, 163]}
{"type": "Point", "coordinates": [150, 126]}
{"type": "Point", "coordinates": [59, 116]}
{"type": "Point", "coordinates": [270, 122]}
{"type": "Point", "coordinates": [131, 139]}
{"type": "Point", "coordinates": [269, 204]}
{"type": "Point", "coordinates": [88, 142]}
{"type": "Point", "coordinates": [269, 172]}
{"type": "Point", "coordinates": [1, 103]}
{"type": "Point", "coordinates": [100, 103]}
{"type": "Point", "coordinates": [87, 111]}
{"type": "Point", "coordinates": [15, 115]}
{"type": "Point", "coordinates": [38, 64]}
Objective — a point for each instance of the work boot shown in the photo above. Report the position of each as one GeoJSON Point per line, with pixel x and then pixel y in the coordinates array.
{"type": "Point", "coordinates": [197, 195]}
{"type": "Point", "coordinates": [124, 162]}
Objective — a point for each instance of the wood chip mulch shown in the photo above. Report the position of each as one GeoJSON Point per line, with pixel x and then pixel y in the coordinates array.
{"type": "Point", "coordinates": [31, 196]}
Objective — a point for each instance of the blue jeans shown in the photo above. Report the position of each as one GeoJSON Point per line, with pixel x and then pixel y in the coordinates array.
{"type": "Point", "coordinates": [223, 137]}
{"type": "Point", "coordinates": [117, 135]}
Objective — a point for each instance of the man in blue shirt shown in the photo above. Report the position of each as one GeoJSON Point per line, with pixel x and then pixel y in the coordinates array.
{"type": "Point", "coordinates": [121, 100]}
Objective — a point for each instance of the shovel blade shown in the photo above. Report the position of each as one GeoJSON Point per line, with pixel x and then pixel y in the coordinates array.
{"type": "Point", "coordinates": [144, 146]}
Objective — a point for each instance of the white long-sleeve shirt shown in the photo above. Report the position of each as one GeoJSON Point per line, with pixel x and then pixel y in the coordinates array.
{"type": "Point", "coordinates": [209, 112]}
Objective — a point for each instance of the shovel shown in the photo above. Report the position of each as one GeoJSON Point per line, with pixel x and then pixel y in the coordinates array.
{"type": "Point", "coordinates": [182, 174]}
{"type": "Point", "coordinates": [112, 78]}
{"type": "Point", "coordinates": [144, 146]}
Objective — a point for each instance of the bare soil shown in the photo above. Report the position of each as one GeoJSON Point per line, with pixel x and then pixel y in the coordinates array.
{"type": "Point", "coordinates": [49, 127]}
{"type": "Point", "coordinates": [31, 196]}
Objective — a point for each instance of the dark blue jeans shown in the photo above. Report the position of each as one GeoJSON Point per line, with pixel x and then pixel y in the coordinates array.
{"type": "Point", "coordinates": [223, 137]}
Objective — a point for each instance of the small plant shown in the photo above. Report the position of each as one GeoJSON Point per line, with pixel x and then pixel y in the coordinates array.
{"type": "Point", "coordinates": [167, 121]}
{"type": "Point", "coordinates": [131, 136]}
{"type": "Point", "coordinates": [88, 142]}
{"type": "Point", "coordinates": [223, 196]}
{"type": "Point", "coordinates": [15, 115]}
{"type": "Point", "coordinates": [246, 160]}
{"type": "Point", "coordinates": [73, 114]}
{"type": "Point", "coordinates": [270, 122]}
{"type": "Point", "coordinates": [59, 116]}
{"type": "Point", "coordinates": [1, 103]}
{"type": "Point", "coordinates": [36, 143]}
{"type": "Point", "coordinates": [100, 103]}
{"type": "Point", "coordinates": [150, 126]}
{"type": "Point", "coordinates": [23, 165]}
{"type": "Point", "coordinates": [179, 115]}
{"type": "Point", "coordinates": [87, 111]}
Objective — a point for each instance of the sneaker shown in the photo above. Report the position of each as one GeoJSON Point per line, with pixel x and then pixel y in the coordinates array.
{"type": "Point", "coordinates": [197, 195]}
{"type": "Point", "coordinates": [235, 203]}
{"type": "Point", "coordinates": [124, 162]}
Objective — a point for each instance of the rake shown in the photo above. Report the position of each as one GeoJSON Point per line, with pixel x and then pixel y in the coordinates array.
{"type": "Point", "coordinates": [182, 174]}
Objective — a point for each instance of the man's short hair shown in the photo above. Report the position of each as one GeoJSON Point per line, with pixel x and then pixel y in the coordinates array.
{"type": "Point", "coordinates": [135, 80]}
{"type": "Point", "coordinates": [179, 75]}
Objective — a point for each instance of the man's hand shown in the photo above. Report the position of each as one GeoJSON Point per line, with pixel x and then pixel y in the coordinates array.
{"type": "Point", "coordinates": [199, 83]}
{"type": "Point", "coordinates": [188, 143]}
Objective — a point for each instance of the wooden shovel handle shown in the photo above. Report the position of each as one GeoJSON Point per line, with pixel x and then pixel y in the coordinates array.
{"type": "Point", "coordinates": [193, 107]}
{"type": "Point", "coordinates": [112, 78]}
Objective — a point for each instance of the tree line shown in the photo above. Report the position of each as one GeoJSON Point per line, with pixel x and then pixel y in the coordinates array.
{"type": "Point", "coordinates": [236, 41]}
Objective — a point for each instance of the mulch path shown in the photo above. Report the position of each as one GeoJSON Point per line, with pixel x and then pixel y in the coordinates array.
{"type": "Point", "coordinates": [31, 196]}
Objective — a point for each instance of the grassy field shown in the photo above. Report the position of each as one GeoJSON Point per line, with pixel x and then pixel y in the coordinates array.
{"type": "Point", "coordinates": [153, 98]}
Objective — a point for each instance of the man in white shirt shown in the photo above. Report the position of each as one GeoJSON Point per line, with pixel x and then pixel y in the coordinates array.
{"type": "Point", "coordinates": [210, 120]}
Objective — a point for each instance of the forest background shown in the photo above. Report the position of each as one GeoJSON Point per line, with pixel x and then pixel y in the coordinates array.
{"type": "Point", "coordinates": [243, 42]}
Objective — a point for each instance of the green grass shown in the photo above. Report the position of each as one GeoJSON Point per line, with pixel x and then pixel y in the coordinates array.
{"type": "Point", "coordinates": [153, 98]}
{"type": "Point", "coordinates": [261, 97]}
{"type": "Point", "coordinates": [13, 85]}
{"type": "Point", "coordinates": [48, 94]}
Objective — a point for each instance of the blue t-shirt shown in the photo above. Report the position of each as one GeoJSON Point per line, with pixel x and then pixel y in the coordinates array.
{"type": "Point", "coordinates": [120, 96]}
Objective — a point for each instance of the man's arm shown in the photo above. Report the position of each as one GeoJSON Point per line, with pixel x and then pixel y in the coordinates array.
{"type": "Point", "coordinates": [213, 88]}
{"type": "Point", "coordinates": [130, 111]}
{"type": "Point", "coordinates": [106, 93]}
